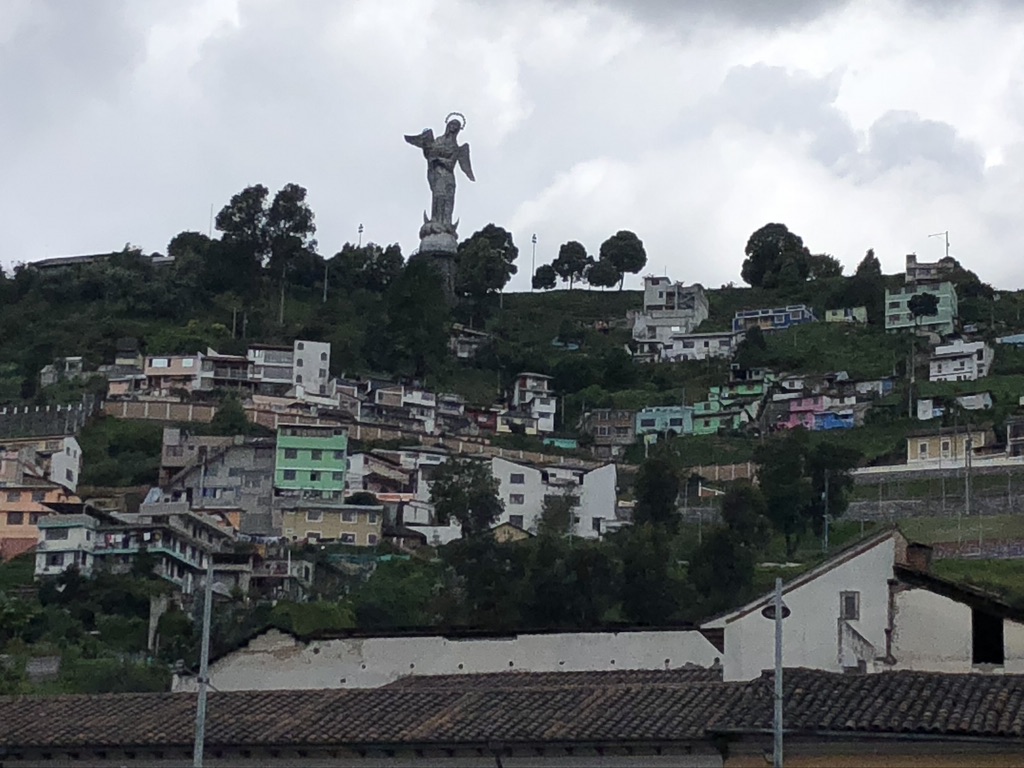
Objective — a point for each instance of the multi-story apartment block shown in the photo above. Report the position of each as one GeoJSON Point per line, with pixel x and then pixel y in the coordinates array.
{"type": "Point", "coordinates": [326, 520]}
{"type": "Point", "coordinates": [774, 319]}
{"type": "Point", "coordinates": [272, 367]}
{"type": "Point", "coordinates": [312, 365]}
{"type": "Point", "coordinates": [237, 476]}
{"type": "Point", "coordinates": [960, 361]}
{"type": "Point", "coordinates": [669, 308]}
{"type": "Point", "coordinates": [311, 461]}
{"type": "Point", "coordinates": [613, 430]}
{"type": "Point", "coordinates": [180, 449]}
{"type": "Point", "coordinates": [523, 489]}
{"type": "Point", "coordinates": [899, 317]}
{"type": "Point", "coordinates": [532, 394]}
{"type": "Point", "coordinates": [408, 402]}
{"type": "Point", "coordinates": [181, 540]}
{"type": "Point", "coordinates": [218, 371]}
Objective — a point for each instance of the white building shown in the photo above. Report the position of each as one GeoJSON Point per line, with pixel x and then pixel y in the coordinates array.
{"type": "Point", "coordinates": [523, 489]}
{"type": "Point", "coordinates": [872, 608]}
{"type": "Point", "coordinates": [66, 541]}
{"type": "Point", "coordinates": [312, 365]}
{"type": "Point", "coordinates": [960, 361]}
{"type": "Point", "coordinates": [418, 404]}
{"type": "Point", "coordinates": [698, 346]}
{"type": "Point", "coordinates": [532, 394]}
{"type": "Point", "coordinates": [57, 458]}
{"type": "Point", "coordinates": [669, 308]}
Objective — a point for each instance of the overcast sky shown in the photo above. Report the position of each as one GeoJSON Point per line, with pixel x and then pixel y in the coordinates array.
{"type": "Point", "coordinates": [864, 124]}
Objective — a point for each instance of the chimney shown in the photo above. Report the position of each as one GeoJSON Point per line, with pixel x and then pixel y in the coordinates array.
{"type": "Point", "coordinates": [919, 557]}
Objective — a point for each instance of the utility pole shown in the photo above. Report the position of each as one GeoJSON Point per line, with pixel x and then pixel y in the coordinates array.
{"type": "Point", "coordinates": [777, 718]}
{"type": "Point", "coordinates": [204, 667]}
{"type": "Point", "coordinates": [280, 313]}
{"type": "Point", "coordinates": [325, 281]}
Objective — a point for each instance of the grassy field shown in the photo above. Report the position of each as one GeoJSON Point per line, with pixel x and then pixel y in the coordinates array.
{"type": "Point", "coordinates": [929, 530]}
{"type": "Point", "coordinates": [1004, 577]}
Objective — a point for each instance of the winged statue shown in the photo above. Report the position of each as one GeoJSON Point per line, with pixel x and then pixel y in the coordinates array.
{"type": "Point", "coordinates": [442, 155]}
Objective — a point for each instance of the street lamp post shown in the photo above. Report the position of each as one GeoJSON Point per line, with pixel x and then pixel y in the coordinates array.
{"type": "Point", "coordinates": [777, 611]}
{"type": "Point", "coordinates": [533, 266]}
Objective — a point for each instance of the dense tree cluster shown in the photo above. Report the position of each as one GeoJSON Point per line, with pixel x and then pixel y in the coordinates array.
{"type": "Point", "coordinates": [621, 254]}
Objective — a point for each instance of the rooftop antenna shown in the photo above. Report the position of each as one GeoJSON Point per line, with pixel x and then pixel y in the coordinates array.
{"type": "Point", "coordinates": [944, 235]}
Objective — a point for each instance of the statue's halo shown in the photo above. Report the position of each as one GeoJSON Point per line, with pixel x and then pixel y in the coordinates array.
{"type": "Point", "coordinates": [462, 119]}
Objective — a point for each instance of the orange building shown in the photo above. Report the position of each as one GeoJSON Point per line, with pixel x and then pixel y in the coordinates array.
{"type": "Point", "coordinates": [21, 506]}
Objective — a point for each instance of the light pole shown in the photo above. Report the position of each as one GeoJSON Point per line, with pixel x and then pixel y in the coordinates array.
{"type": "Point", "coordinates": [360, 230]}
{"type": "Point", "coordinates": [777, 611]}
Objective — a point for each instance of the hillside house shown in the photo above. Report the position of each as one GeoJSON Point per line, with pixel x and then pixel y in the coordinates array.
{"type": "Point", "coordinates": [664, 420]}
{"type": "Point", "coordinates": [960, 361]}
{"type": "Point", "coordinates": [21, 509]}
{"type": "Point", "coordinates": [669, 308]}
{"type": "Point", "coordinates": [613, 430]}
{"type": "Point", "coordinates": [847, 315]}
{"type": "Point", "coordinates": [698, 346]}
{"type": "Point", "coordinates": [523, 488]}
{"type": "Point", "coordinates": [928, 272]}
{"type": "Point", "coordinates": [773, 319]}
{"type": "Point", "coordinates": [55, 458]}
{"type": "Point", "coordinates": [62, 369]}
{"type": "Point", "coordinates": [168, 373]}
{"type": "Point", "coordinates": [532, 394]}
{"type": "Point", "coordinates": [465, 342]}
{"type": "Point", "coordinates": [326, 520]}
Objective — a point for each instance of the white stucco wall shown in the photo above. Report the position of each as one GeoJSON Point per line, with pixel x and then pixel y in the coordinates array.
{"type": "Point", "coordinates": [932, 632]}
{"type": "Point", "coordinates": [811, 632]}
{"type": "Point", "coordinates": [278, 661]}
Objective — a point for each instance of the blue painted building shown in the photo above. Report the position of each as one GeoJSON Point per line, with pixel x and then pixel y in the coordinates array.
{"type": "Point", "coordinates": [775, 319]}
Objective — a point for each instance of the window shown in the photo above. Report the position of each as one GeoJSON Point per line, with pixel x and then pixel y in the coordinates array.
{"type": "Point", "coordinates": [316, 455]}
{"type": "Point", "coordinates": [289, 474]}
{"type": "Point", "coordinates": [299, 363]}
{"type": "Point", "coordinates": [595, 523]}
{"type": "Point", "coordinates": [159, 362]}
{"type": "Point", "coordinates": [314, 477]}
{"type": "Point", "coordinates": [298, 379]}
{"type": "Point", "coordinates": [371, 539]}
{"type": "Point", "coordinates": [894, 305]}
{"type": "Point", "coordinates": [849, 606]}
{"type": "Point", "coordinates": [188, 362]}
{"type": "Point", "coordinates": [945, 448]}
{"type": "Point", "coordinates": [986, 638]}
{"type": "Point", "coordinates": [314, 515]}
{"type": "Point", "coordinates": [33, 518]}
{"type": "Point", "coordinates": [300, 345]}
{"type": "Point", "coordinates": [348, 538]}
{"type": "Point", "coordinates": [371, 518]}
{"type": "Point", "coordinates": [38, 495]}
{"type": "Point", "coordinates": [323, 357]}
{"type": "Point", "coordinates": [323, 373]}
{"type": "Point", "coordinates": [516, 498]}
{"type": "Point", "coordinates": [601, 432]}
{"type": "Point", "coordinates": [348, 516]}
{"type": "Point", "coordinates": [622, 431]}
{"type": "Point", "coordinates": [647, 422]}
{"type": "Point", "coordinates": [14, 495]}
{"type": "Point", "coordinates": [55, 560]}
{"type": "Point", "coordinates": [338, 477]}
{"type": "Point", "coordinates": [922, 450]}
{"type": "Point", "coordinates": [675, 422]}
{"type": "Point", "coordinates": [516, 520]}
{"type": "Point", "coordinates": [315, 535]}
{"type": "Point", "coordinates": [15, 518]}
{"type": "Point", "coordinates": [291, 453]}
{"type": "Point", "coordinates": [339, 455]}
{"type": "Point", "coordinates": [56, 534]}
{"type": "Point", "coordinates": [517, 478]}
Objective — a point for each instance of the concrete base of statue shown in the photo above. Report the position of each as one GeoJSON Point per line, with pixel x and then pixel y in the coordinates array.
{"type": "Point", "coordinates": [444, 263]}
{"type": "Point", "coordinates": [439, 242]}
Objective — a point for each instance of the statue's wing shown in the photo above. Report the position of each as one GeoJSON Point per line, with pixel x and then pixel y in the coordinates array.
{"type": "Point", "coordinates": [423, 140]}
{"type": "Point", "coordinates": [464, 162]}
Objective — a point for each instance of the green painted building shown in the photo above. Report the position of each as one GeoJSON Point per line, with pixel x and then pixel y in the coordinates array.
{"type": "Point", "coordinates": [897, 309]}
{"type": "Point", "coordinates": [311, 460]}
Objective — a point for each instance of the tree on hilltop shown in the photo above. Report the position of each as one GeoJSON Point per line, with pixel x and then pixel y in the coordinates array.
{"type": "Point", "coordinates": [572, 262]}
{"type": "Point", "coordinates": [626, 252]}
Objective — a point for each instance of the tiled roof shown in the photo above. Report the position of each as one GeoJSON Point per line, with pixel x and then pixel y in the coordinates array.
{"type": "Point", "coordinates": [895, 703]}
{"type": "Point", "coordinates": [507, 680]}
{"type": "Point", "coordinates": [380, 716]}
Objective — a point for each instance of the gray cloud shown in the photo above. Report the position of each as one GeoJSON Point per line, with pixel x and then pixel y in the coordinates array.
{"type": "Point", "coordinates": [901, 139]}
{"type": "Point", "coordinates": [753, 13]}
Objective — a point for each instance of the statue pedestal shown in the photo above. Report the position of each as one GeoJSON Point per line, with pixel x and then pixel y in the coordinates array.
{"type": "Point", "coordinates": [443, 261]}
{"type": "Point", "coordinates": [438, 242]}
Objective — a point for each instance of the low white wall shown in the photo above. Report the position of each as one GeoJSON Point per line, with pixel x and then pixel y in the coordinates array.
{"type": "Point", "coordinates": [278, 661]}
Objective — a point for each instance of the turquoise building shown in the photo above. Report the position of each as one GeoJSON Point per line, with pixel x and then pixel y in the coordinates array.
{"type": "Point", "coordinates": [664, 418]}
{"type": "Point", "coordinates": [311, 460]}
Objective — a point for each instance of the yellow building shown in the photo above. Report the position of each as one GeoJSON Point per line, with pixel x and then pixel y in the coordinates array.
{"type": "Point", "coordinates": [322, 520]}
{"type": "Point", "coordinates": [945, 445]}
{"type": "Point", "coordinates": [507, 532]}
